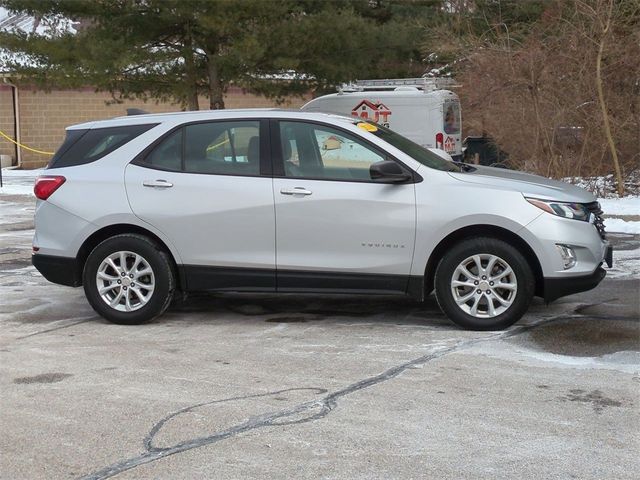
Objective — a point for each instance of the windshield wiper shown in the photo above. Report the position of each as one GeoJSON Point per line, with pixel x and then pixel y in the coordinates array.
{"type": "Point", "coordinates": [465, 167]}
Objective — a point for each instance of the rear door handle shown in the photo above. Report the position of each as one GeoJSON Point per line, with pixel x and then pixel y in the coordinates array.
{"type": "Point", "coordinates": [295, 191]}
{"type": "Point", "coordinates": [157, 184]}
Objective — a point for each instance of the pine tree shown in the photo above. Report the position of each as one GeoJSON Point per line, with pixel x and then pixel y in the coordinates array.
{"type": "Point", "coordinates": [178, 50]}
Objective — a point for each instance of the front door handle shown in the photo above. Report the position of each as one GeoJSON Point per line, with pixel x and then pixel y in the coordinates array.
{"type": "Point", "coordinates": [295, 191]}
{"type": "Point", "coordinates": [157, 184]}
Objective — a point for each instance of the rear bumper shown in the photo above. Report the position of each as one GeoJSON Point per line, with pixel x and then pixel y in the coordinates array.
{"type": "Point", "coordinates": [555, 288]}
{"type": "Point", "coordinates": [61, 270]}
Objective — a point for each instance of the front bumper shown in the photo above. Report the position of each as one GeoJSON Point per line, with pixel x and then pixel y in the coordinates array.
{"type": "Point", "coordinates": [547, 231]}
{"type": "Point", "coordinates": [555, 288]}
{"type": "Point", "coordinates": [590, 249]}
{"type": "Point", "coordinates": [60, 270]}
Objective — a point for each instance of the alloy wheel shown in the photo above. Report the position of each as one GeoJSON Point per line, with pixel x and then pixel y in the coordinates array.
{"type": "Point", "coordinates": [484, 286]}
{"type": "Point", "coordinates": [125, 281]}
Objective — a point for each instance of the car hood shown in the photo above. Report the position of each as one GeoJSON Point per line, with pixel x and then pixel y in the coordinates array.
{"type": "Point", "coordinates": [526, 183]}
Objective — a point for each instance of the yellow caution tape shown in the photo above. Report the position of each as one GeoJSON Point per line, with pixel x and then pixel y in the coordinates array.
{"type": "Point", "coordinates": [23, 146]}
{"type": "Point", "coordinates": [213, 147]}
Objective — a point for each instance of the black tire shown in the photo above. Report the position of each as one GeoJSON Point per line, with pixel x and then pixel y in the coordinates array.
{"type": "Point", "coordinates": [163, 279]}
{"type": "Point", "coordinates": [507, 255]}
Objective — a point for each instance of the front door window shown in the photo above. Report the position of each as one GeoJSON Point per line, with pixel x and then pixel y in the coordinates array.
{"type": "Point", "coordinates": [321, 152]}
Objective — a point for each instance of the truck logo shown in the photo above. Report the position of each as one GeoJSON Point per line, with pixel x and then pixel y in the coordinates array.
{"type": "Point", "coordinates": [378, 112]}
{"type": "Point", "coordinates": [450, 145]}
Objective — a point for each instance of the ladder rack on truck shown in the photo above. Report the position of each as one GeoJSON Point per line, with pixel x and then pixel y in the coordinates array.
{"type": "Point", "coordinates": [426, 84]}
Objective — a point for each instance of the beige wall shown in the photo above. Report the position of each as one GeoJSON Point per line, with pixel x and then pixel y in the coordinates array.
{"type": "Point", "coordinates": [44, 116]}
{"type": "Point", "coordinates": [6, 121]}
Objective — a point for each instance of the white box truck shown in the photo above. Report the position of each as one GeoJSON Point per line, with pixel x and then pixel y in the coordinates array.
{"type": "Point", "coordinates": [420, 109]}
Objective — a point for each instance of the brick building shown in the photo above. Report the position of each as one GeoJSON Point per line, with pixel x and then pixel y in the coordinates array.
{"type": "Point", "coordinates": [43, 116]}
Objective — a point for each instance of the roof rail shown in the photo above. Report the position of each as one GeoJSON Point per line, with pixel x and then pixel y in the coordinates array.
{"type": "Point", "coordinates": [426, 84]}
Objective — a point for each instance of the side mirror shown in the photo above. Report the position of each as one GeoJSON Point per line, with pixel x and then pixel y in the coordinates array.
{"type": "Point", "coordinates": [388, 171]}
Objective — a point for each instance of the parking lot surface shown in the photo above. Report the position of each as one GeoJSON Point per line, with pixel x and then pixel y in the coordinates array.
{"type": "Point", "coordinates": [261, 386]}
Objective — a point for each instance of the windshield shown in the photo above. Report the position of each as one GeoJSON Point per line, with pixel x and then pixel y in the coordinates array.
{"type": "Point", "coordinates": [415, 151]}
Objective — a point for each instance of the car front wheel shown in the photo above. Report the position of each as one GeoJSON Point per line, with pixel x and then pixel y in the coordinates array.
{"type": "Point", "coordinates": [484, 284]}
{"type": "Point", "coordinates": [128, 280]}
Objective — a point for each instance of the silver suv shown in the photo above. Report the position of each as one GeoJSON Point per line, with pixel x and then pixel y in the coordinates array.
{"type": "Point", "coordinates": [135, 208]}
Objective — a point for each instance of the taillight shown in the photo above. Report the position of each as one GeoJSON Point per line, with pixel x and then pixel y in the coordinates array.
{"type": "Point", "coordinates": [46, 185]}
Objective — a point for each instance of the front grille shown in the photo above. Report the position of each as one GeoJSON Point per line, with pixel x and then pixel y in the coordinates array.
{"type": "Point", "coordinates": [594, 207]}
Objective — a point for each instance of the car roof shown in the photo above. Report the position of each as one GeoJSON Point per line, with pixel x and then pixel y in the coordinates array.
{"type": "Point", "coordinates": [177, 118]}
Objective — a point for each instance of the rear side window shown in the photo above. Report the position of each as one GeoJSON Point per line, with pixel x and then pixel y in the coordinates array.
{"type": "Point", "coordinates": [219, 148]}
{"type": "Point", "coordinates": [86, 146]}
{"type": "Point", "coordinates": [231, 148]}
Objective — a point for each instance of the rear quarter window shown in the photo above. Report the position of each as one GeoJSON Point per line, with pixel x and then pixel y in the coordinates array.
{"type": "Point", "coordinates": [85, 146]}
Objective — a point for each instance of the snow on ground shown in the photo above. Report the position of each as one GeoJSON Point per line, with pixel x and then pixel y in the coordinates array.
{"type": "Point", "coordinates": [18, 182]}
{"type": "Point", "coordinates": [15, 173]}
{"type": "Point", "coordinates": [16, 189]}
{"type": "Point", "coordinates": [626, 263]}
{"type": "Point", "coordinates": [619, 225]}
{"type": "Point", "coordinates": [620, 206]}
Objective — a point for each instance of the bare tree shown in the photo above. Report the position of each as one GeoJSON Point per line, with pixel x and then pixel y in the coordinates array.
{"type": "Point", "coordinates": [563, 99]}
{"type": "Point", "coordinates": [602, 15]}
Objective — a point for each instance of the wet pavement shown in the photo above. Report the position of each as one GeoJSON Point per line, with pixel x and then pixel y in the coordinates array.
{"type": "Point", "coordinates": [585, 338]}
{"type": "Point", "coordinates": [262, 386]}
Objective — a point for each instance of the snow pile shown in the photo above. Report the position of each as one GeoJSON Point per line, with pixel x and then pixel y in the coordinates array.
{"type": "Point", "coordinates": [606, 186]}
{"type": "Point", "coordinates": [613, 206]}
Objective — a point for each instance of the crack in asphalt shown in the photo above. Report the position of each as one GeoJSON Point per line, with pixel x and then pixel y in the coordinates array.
{"type": "Point", "coordinates": [315, 409]}
{"type": "Point", "coordinates": [60, 327]}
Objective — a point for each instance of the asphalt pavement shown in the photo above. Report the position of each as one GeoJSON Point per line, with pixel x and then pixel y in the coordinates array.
{"type": "Point", "coordinates": [261, 386]}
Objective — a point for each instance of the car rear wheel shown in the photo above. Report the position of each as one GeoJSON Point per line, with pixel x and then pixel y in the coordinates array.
{"type": "Point", "coordinates": [484, 284]}
{"type": "Point", "coordinates": [128, 279]}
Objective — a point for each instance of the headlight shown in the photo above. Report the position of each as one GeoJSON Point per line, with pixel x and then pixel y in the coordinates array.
{"type": "Point", "coordinates": [576, 211]}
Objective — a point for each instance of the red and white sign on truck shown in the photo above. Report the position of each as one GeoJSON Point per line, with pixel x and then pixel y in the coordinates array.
{"type": "Point", "coordinates": [450, 145]}
{"type": "Point", "coordinates": [378, 112]}
{"type": "Point", "coordinates": [421, 109]}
